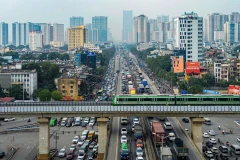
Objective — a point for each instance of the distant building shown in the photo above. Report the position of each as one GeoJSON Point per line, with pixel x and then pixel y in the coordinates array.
{"type": "Point", "coordinates": [3, 34]}
{"type": "Point", "coordinates": [46, 32]}
{"type": "Point", "coordinates": [35, 40]}
{"type": "Point", "coordinates": [76, 21]}
{"type": "Point", "coordinates": [25, 78]}
{"type": "Point", "coordinates": [218, 35]}
{"type": "Point", "coordinates": [99, 28]}
{"type": "Point", "coordinates": [86, 58]}
{"type": "Point", "coordinates": [77, 36]}
{"type": "Point", "coordinates": [127, 25]}
{"type": "Point", "coordinates": [142, 31]}
{"type": "Point", "coordinates": [92, 47]}
{"type": "Point", "coordinates": [58, 33]}
{"type": "Point", "coordinates": [231, 32]}
{"type": "Point", "coordinates": [163, 18]}
{"type": "Point", "coordinates": [88, 26]}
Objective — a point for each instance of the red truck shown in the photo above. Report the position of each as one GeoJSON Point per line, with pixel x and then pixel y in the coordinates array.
{"type": "Point", "coordinates": [157, 132]}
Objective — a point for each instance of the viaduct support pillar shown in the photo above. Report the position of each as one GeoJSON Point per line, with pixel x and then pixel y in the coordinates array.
{"type": "Point", "coordinates": [44, 141]}
{"type": "Point", "coordinates": [196, 132]}
{"type": "Point", "coordinates": [102, 137]}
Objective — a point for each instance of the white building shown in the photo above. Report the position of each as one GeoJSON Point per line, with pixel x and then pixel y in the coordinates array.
{"type": "Point", "coordinates": [92, 47]}
{"type": "Point", "coordinates": [46, 29]}
{"type": "Point", "coordinates": [135, 30]}
{"type": "Point", "coordinates": [189, 36]}
{"type": "Point", "coordinates": [231, 32]}
{"type": "Point", "coordinates": [58, 33]}
{"type": "Point", "coordinates": [221, 71]}
{"type": "Point", "coordinates": [26, 78]}
{"type": "Point", "coordinates": [35, 40]}
{"type": "Point", "coordinates": [218, 35]}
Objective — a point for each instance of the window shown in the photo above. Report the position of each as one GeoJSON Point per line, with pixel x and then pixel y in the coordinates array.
{"type": "Point", "coordinates": [63, 87]}
{"type": "Point", "coordinates": [71, 91]}
{"type": "Point", "coordinates": [71, 87]}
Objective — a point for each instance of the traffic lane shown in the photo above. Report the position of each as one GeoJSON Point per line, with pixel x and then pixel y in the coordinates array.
{"type": "Point", "coordinates": [193, 155]}
{"type": "Point", "coordinates": [18, 122]}
{"type": "Point", "coordinates": [26, 141]}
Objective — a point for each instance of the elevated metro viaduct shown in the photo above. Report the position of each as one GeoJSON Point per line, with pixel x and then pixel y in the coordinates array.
{"type": "Point", "coordinates": [45, 111]}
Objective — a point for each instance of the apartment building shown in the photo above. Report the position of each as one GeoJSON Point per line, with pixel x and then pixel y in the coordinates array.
{"type": "Point", "coordinates": [77, 36]}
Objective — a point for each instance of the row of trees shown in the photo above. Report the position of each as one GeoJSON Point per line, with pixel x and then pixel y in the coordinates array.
{"type": "Point", "coordinates": [46, 95]}
{"type": "Point", "coordinates": [15, 91]}
{"type": "Point", "coordinates": [50, 56]}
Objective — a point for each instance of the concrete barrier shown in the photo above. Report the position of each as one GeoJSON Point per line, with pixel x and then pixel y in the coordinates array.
{"type": "Point", "coordinates": [190, 139]}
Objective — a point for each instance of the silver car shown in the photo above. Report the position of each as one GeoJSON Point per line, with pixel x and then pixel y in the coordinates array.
{"type": "Point", "coordinates": [139, 152]}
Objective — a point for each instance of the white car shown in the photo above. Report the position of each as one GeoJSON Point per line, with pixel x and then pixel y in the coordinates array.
{"type": "Point", "coordinates": [62, 153]}
{"type": "Point", "coordinates": [75, 140]}
{"type": "Point", "coordinates": [209, 154]}
{"type": "Point", "coordinates": [139, 152]}
{"type": "Point", "coordinates": [81, 155]}
{"type": "Point", "coordinates": [136, 121]}
{"type": "Point", "coordinates": [124, 131]}
{"type": "Point", "coordinates": [214, 150]}
{"type": "Point", "coordinates": [139, 158]}
{"type": "Point", "coordinates": [133, 128]}
{"type": "Point", "coordinates": [9, 119]}
{"type": "Point", "coordinates": [124, 139]}
{"type": "Point", "coordinates": [205, 135]}
{"type": "Point", "coordinates": [211, 132]}
{"type": "Point", "coordinates": [86, 120]}
{"type": "Point", "coordinates": [80, 142]}
{"type": "Point", "coordinates": [212, 140]}
{"type": "Point", "coordinates": [238, 139]}
{"type": "Point", "coordinates": [91, 123]}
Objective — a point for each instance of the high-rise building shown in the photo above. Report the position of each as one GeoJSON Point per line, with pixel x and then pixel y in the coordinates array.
{"type": "Point", "coordinates": [51, 33]}
{"type": "Point", "coordinates": [76, 21]}
{"type": "Point", "coordinates": [89, 28]}
{"type": "Point", "coordinates": [127, 25]}
{"type": "Point", "coordinates": [35, 40]}
{"type": "Point", "coordinates": [77, 36]}
{"type": "Point", "coordinates": [58, 33]}
{"type": "Point", "coordinates": [142, 28]}
{"type": "Point", "coordinates": [46, 31]}
{"type": "Point", "coordinates": [135, 29]}
{"type": "Point", "coordinates": [231, 32]}
{"type": "Point", "coordinates": [234, 17]}
{"type": "Point", "coordinates": [3, 34]}
{"type": "Point", "coordinates": [215, 22]}
{"type": "Point", "coordinates": [162, 18]}
{"type": "Point", "coordinates": [189, 36]}
{"type": "Point", "coordinates": [109, 35]}
{"type": "Point", "coordinates": [152, 27]}
{"type": "Point", "coordinates": [99, 28]}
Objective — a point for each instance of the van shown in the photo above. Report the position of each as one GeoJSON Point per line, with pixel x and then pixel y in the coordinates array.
{"type": "Point", "coordinates": [167, 125]}
{"type": "Point", "coordinates": [207, 121]}
{"type": "Point", "coordinates": [91, 135]}
{"type": "Point", "coordinates": [171, 136]}
{"type": "Point", "coordinates": [124, 120]}
{"type": "Point", "coordinates": [84, 134]}
{"type": "Point", "coordinates": [83, 148]}
{"type": "Point", "coordinates": [235, 149]}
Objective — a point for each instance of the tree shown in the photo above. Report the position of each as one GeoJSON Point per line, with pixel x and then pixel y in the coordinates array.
{"type": "Point", "coordinates": [65, 47]}
{"type": "Point", "coordinates": [16, 91]}
{"type": "Point", "coordinates": [56, 95]}
{"type": "Point", "coordinates": [13, 54]}
{"type": "Point", "coordinates": [208, 80]}
{"type": "Point", "coordinates": [183, 85]}
{"type": "Point", "coordinates": [20, 47]}
{"type": "Point", "coordinates": [2, 61]}
{"type": "Point", "coordinates": [196, 89]}
{"type": "Point", "coordinates": [48, 46]}
{"type": "Point", "coordinates": [2, 94]}
{"type": "Point", "coordinates": [36, 93]}
{"type": "Point", "coordinates": [44, 95]}
{"type": "Point", "coordinates": [42, 57]}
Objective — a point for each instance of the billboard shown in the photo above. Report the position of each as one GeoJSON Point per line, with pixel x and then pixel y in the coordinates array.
{"type": "Point", "coordinates": [192, 67]}
{"type": "Point", "coordinates": [178, 64]}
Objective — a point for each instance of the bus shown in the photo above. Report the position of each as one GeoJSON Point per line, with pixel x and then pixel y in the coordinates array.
{"type": "Point", "coordinates": [207, 121]}
{"type": "Point", "coordinates": [53, 122]}
{"type": "Point", "coordinates": [235, 149]}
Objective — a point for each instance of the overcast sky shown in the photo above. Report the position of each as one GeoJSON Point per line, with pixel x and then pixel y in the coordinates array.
{"type": "Point", "coordinates": [61, 10]}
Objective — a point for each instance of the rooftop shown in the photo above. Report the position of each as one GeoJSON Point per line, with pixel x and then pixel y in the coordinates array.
{"type": "Point", "coordinates": [16, 71]}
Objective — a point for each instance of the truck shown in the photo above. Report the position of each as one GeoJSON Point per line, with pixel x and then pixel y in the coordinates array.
{"type": "Point", "coordinates": [157, 132]}
{"type": "Point", "coordinates": [138, 132]}
{"type": "Point", "coordinates": [132, 91]}
{"type": "Point", "coordinates": [145, 83]}
{"type": "Point", "coordinates": [180, 149]}
{"type": "Point", "coordinates": [165, 153]}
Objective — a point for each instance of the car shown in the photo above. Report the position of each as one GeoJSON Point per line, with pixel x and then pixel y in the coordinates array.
{"type": "Point", "coordinates": [81, 155]}
{"type": "Point", "coordinates": [84, 124]}
{"type": "Point", "coordinates": [70, 154]}
{"type": "Point", "coordinates": [80, 142]}
{"type": "Point", "coordinates": [72, 147]}
{"type": "Point", "coordinates": [139, 158]}
{"type": "Point", "coordinates": [186, 120]}
{"type": "Point", "coordinates": [136, 121]}
{"type": "Point", "coordinates": [212, 140]}
{"type": "Point", "coordinates": [139, 152]}
{"type": "Point", "coordinates": [92, 144]}
{"type": "Point", "coordinates": [87, 142]}
{"type": "Point", "coordinates": [9, 119]}
{"type": "Point", "coordinates": [2, 154]}
{"type": "Point", "coordinates": [224, 156]}
{"type": "Point", "coordinates": [211, 132]}
{"type": "Point", "coordinates": [75, 140]}
{"type": "Point", "coordinates": [91, 123]}
{"type": "Point", "coordinates": [223, 149]}
{"type": "Point", "coordinates": [209, 154]}
{"type": "Point", "coordinates": [124, 139]}
{"type": "Point", "coordinates": [92, 155]}
{"type": "Point", "coordinates": [133, 128]}
{"type": "Point", "coordinates": [209, 144]}
{"type": "Point", "coordinates": [62, 153]}
{"type": "Point", "coordinates": [238, 139]}
{"type": "Point", "coordinates": [214, 150]}
{"type": "Point", "coordinates": [205, 135]}
{"type": "Point", "coordinates": [139, 143]}
{"type": "Point", "coordinates": [95, 148]}
{"type": "Point", "coordinates": [86, 120]}
{"type": "Point", "coordinates": [96, 133]}
{"type": "Point", "coordinates": [124, 131]}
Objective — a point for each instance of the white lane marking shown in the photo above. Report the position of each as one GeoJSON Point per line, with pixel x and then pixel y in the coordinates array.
{"type": "Point", "coordinates": [117, 138]}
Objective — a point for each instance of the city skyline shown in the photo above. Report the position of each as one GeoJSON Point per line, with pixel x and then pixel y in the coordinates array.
{"type": "Point", "coordinates": [53, 13]}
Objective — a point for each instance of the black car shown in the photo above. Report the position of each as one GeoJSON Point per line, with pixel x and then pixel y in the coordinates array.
{"type": "Point", "coordinates": [2, 154]}
{"type": "Point", "coordinates": [223, 156]}
{"type": "Point", "coordinates": [84, 124]}
{"type": "Point", "coordinates": [92, 155]}
{"type": "Point", "coordinates": [92, 145]}
{"type": "Point", "coordinates": [186, 120]}
{"type": "Point", "coordinates": [69, 124]}
{"type": "Point", "coordinates": [204, 148]}
{"type": "Point", "coordinates": [223, 149]}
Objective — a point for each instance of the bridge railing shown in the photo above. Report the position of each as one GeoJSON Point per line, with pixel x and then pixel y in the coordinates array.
{"type": "Point", "coordinates": [108, 108]}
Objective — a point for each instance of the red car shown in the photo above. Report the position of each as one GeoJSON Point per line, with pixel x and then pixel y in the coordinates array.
{"type": "Point", "coordinates": [70, 154]}
{"type": "Point", "coordinates": [139, 143]}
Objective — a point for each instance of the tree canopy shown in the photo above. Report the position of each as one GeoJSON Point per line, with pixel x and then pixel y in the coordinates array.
{"type": "Point", "coordinates": [45, 95]}
{"type": "Point", "coordinates": [56, 95]}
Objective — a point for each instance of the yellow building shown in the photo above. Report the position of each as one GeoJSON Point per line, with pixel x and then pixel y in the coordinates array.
{"type": "Point", "coordinates": [77, 36]}
{"type": "Point", "coordinates": [68, 86]}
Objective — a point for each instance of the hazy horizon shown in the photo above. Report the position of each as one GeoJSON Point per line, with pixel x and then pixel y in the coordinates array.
{"type": "Point", "coordinates": [59, 11]}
